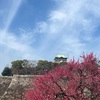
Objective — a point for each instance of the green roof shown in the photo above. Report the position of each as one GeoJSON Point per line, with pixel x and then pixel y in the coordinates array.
{"type": "Point", "coordinates": [60, 55]}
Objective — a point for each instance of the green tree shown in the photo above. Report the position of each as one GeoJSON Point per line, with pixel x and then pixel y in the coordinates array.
{"type": "Point", "coordinates": [17, 67]}
{"type": "Point", "coordinates": [28, 67]}
{"type": "Point", "coordinates": [44, 66]}
{"type": "Point", "coordinates": [22, 67]}
{"type": "Point", "coordinates": [17, 63]}
{"type": "Point", "coordinates": [7, 71]}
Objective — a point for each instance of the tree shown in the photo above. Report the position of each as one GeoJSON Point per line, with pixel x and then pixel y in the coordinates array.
{"type": "Point", "coordinates": [7, 71]}
{"type": "Point", "coordinates": [17, 63]}
{"type": "Point", "coordinates": [22, 67]}
{"type": "Point", "coordinates": [28, 67]}
{"type": "Point", "coordinates": [17, 67]}
{"type": "Point", "coordinates": [73, 81]}
{"type": "Point", "coordinates": [44, 66]}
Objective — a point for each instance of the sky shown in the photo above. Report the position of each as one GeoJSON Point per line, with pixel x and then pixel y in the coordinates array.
{"type": "Point", "coordinates": [41, 29]}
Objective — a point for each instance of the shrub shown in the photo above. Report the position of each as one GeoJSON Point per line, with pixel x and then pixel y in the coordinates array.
{"type": "Point", "coordinates": [7, 71]}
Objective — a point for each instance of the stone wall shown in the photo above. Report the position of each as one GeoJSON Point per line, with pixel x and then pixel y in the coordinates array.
{"type": "Point", "coordinates": [4, 84]}
{"type": "Point", "coordinates": [16, 86]}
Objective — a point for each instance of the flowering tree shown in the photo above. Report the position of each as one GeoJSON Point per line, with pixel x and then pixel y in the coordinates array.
{"type": "Point", "coordinates": [73, 81]}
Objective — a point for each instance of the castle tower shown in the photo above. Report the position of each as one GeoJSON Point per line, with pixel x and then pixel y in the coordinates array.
{"type": "Point", "coordinates": [60, 58]}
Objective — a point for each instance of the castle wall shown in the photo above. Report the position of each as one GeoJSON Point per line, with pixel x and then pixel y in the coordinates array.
{"type": "Point", "coordinates": [4, 83]}
{"type": "Point", "coordinates": [16, 85]}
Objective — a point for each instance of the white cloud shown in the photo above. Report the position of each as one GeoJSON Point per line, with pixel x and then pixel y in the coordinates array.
{"type": "Point", "coordinates": [71, 27]}
{"type": "Point", "coordinates": [12, 46]}
{"type": "Point", "coordinates": [12, 10]}
{"type": "Point", "coordinates": [57, 16]}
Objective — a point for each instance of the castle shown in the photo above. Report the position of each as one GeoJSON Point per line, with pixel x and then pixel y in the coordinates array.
{"type": "Point", "coordinates": [60, 58]}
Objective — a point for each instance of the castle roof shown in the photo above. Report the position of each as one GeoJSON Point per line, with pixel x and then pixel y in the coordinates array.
{"type": "Point", "coordinates": [61, 56]}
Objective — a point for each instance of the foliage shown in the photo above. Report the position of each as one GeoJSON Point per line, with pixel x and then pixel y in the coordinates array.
{"type": "Point", "coordinates": [73, 81]}
{"type": "Point", "coordinates": [17, 66]}
{"type": "Point", "coordinates": [7, 71]}
{"type": "Point", "coordinates": [22, 67]}
{"type": "Point", "coordinates": [44, 66]}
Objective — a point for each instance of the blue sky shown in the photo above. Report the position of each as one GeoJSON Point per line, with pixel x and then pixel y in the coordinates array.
{"type": "Point", "coordinates": [41, 29]}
